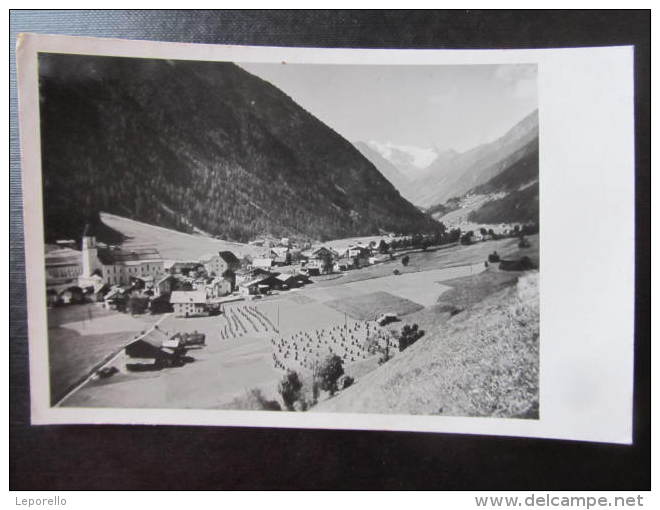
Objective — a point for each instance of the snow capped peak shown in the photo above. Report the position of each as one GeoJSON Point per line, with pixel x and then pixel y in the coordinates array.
{"type": "Point", "coordinates": [417, 157]}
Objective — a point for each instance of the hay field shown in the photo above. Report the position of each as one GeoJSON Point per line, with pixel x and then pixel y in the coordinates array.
{"type": "Point", "coordinates": [370, 306]}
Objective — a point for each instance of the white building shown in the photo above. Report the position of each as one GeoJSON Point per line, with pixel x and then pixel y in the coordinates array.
{"type": "Point", "coordinates": [115, 265]}
{"type": "Point", "coordinates": [189, 303]}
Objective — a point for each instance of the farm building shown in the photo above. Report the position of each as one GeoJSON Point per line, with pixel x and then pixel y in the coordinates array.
{"type": "Point", "coordinates": [147, 346]}
{"type": "Point", "coordinates": [291, 281]}
{"type": "Point", "coordinates": [153, 351]}
{"type": "Point", "coordinates": [189, 303]}
{"type": "Point", "coordinates": [256, 286]}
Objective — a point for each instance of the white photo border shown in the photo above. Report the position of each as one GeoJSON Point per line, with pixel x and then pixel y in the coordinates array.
{"type": "Point", "coordinates": [587, 239]}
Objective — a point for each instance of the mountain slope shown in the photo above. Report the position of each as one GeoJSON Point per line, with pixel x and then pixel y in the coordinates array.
{"type": "Point", "coordinates": [200, 145]}
{"type": "Point", "coordinates": [387, 169]}
{"type": "Point", "coordinates": [447, 179]}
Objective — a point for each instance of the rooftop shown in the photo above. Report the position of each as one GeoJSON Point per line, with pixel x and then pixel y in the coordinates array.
{"type": "Point", "coordinates": [117, 255]}
{"type": "Point", "coordinates": [188, 296]}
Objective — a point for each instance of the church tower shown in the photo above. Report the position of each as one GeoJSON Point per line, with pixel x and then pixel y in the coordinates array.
{"type": "Point", "coordinates": [90, 260]}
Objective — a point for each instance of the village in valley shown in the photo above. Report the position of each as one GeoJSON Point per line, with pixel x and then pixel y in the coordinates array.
{"type": "Point", "coordinates": [255, 327]}
{"type": "Point", "coordinates": [244, 236]}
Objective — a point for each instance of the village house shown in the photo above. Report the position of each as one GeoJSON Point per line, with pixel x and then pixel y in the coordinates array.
{"type": "Point", "coordinates": [222, 287]}
{"type": "Point", "coordinates": [322, 259]}
{"type": "Point", "coordinates": [358, 255]}
{"type": "Point", "coordinates": [166, 285]}
{"type": "Point", "coordinates": [253, 287]}
{"type": "Point", "coordinates": [280, 256]}
{"type": "Point", "coordinates": [116, 298]}
{"type": "Point", "coordinates": [217, 263]}
{"type": "Point", "coordinates": [228, 261]}
{"type": "Point", "coordinates": [181, 267]}
{"type": "Point", "coordinates": [211, 263]}
{"type": "Point", "coordinates": [189, 303]}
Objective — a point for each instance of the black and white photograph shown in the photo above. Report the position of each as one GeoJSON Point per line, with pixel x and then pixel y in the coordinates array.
{"type": "Point", "coordinates": [324, 238]}
{"type": "Point", "coordinates": [281, 251]}
{"type": "Point", "coordinates": [291, 237]}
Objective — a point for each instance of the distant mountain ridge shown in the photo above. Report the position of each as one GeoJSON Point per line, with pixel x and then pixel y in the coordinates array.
{"type": "Point", "coordinates": [201, 146]}
{"type": "Point", "coordinates": [496, 182]}
{"type": "Point", "coordinates": [445, 180]}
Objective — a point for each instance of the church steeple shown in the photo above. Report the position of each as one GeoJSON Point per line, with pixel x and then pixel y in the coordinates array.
{"type": "Point", "coordinates": [90, 261]}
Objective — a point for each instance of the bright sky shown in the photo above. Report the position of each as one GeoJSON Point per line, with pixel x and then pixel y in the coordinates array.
{"type": "Point", "coordinates": [446, 107]}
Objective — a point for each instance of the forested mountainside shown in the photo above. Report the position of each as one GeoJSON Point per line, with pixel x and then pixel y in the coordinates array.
{"type": "Point", "coordinates": [201, 146]}
{"type": "Point", "coordinates": [519, 206]}
{"type": "Point", "coordinates": [523, 170]}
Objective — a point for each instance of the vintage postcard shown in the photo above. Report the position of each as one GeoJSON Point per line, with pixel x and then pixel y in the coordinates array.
{"type": "Point", "coordinates": [357, 239]}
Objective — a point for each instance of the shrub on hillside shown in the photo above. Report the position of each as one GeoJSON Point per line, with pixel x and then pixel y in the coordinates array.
{"type": "Point", "coordinates": [289, 388]}
{"type": "Point", "coordinates": [409, 335]}
{"type": "Point", "coordinates": [330, 372]}
{"type": "Point", "coordinates": [405, 260]}
{"type": "Point", "coordinates": [345, 381]}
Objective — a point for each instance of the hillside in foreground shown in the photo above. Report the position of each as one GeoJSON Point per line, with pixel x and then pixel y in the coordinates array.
{"type": "Point", "coordinates": [200, 146]}
{"type": "Point", "coordinates": [483, 361]}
